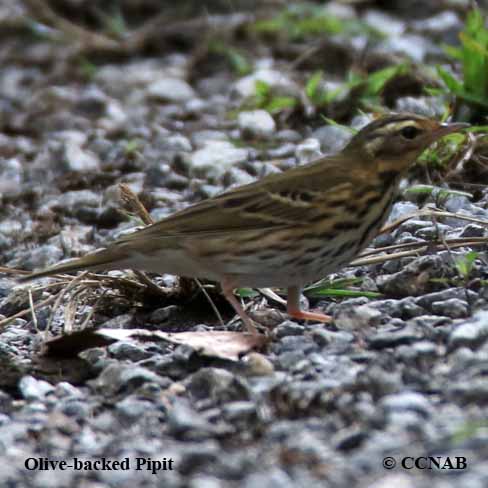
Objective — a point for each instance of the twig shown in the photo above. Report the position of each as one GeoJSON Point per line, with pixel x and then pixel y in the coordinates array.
{"type": "Point", "coordinates": [27, 311]}
{"type": "Point", "coordinates": [421, 247]}
{"type": "Point", "coordinates": [13, 271]}
{"type": "Point", "coordinates": [87, 319]}
{"type": "Point", "coordinates": [461, 241]}
{"type": "Point", "coordinates": [60, 296]}
{"type": "Point", "coordinates": [209, 299]}
{"type": "Point", "coordinates": [87, 39]}
{"type": "Point", "coordinates": [430, 213]}
{"type": "Point", "coordinates": [33, 312]}
{"type": "Point", "coordinates": [156, 28]}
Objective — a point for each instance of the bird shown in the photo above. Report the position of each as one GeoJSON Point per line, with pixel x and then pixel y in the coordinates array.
{"type": "Point", "coordinates": [285, 230]}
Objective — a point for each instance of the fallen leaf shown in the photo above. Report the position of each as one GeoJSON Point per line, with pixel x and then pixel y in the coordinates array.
{"type": "Point", "coordinates": [221, 344]}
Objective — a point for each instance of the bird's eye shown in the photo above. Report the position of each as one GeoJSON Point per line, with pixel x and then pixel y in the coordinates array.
{"type": "Point", "coordinates": [410, 132]}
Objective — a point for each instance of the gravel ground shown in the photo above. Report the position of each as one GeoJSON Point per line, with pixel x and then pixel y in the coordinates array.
{"type": "Point", "coordinates": [396, 379]}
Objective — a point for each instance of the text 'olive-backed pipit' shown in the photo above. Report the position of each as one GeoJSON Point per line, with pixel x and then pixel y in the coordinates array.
{"type": "Point", "coordinates": [285, 230]}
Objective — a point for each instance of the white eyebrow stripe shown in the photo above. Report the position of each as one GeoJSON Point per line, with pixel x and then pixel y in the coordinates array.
{"type": "Point", "coordinates": [396, 126]}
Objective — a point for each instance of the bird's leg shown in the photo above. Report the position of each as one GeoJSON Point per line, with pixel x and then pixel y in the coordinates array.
{"type": "Point", "coordinates": [293, 308]}
{"type": "Point", "coordinates": [228, 291]}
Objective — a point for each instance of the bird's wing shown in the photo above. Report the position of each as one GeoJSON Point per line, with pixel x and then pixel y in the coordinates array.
{"type": "Point", "coordinates": [277, 201]}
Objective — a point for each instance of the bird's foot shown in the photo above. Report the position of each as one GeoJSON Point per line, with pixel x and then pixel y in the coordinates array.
{"type": "Point", "coordinates": [315, 316]}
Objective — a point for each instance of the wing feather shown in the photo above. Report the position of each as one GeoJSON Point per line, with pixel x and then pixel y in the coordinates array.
{"type": "Point", "coordinates": [277, 201]}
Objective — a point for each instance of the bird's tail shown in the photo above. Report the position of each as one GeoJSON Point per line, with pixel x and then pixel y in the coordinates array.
{"type": "Point", "coordinates": [104, 259]}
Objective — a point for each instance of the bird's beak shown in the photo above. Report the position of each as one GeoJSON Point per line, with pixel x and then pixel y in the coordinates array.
{"type": "Point", "coordinates": [445, 129]}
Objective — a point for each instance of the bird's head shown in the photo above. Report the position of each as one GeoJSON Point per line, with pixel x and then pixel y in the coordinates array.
{"type": "Point", "coordinates": [393, 142]}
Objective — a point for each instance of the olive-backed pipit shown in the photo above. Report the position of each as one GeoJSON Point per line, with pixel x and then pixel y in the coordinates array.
{"type": "Point", "coordinates": [285, 230]}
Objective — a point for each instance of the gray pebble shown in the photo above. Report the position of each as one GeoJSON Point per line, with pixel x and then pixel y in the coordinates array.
{"type": "Point", "coordinates": [454, 308]}
{"type": "Point", "coordinates": [471, 333]}
{"type": "Point", "coordinates": [34, 389]}
{"type": "Point", "coordinates": [215, 158]}
{"type": "Point", "coordinates": [332, 138]}
{"type": "Point", "coordinates": [406, 401]}
{"type": "Point", "coordinates": [170, 90]}
{"type": "Point", "coordinates": [256, 123]}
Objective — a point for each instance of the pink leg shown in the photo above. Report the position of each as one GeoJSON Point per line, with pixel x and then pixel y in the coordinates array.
{"type": "Point", "coordinates": [293, 308]}
{"type": "Point", "coordinates": [228, 291]}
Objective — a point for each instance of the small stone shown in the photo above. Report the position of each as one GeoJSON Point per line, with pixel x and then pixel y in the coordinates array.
{"type": "Point", "coordinates": [34, 389]}
{"type": "Point", "coordinates": [93, 102]}
{"type": "Point", "coordinates": [427, 300]}
{"type": "Point", "coordinates": [11, 175]}
{"type": "Point", "coordinates": [115, 119]}
{"type": "Point", "coordinates": [398, 480]}
{"type": "Point", "coordinates": [395, 337]}
{"type": "Point", "coordinates": [237, 177]}
{"type": "Point", "coordinates": [473, 230]}
{"type": "Point", "coordinates": [308, 151]}
{"type": "Point", "coordinates": [201, 138]}
{"type": "Point", "coordinates": [170, 90]}
{"type": "Point", "coordinates": [186, 423]}
{"type": "Point", "coordinates": [358, 318]}
{"type": "Point", "coordinates": [413, 226]}
{"type": "Point", "coordinates": [246, 86]}
{"type": "Point", "coordinates": [408, 400]}
{"type": "Point", "coordinates": [425, 349]}
{"type": "Point", "coordinates": [288, 135]}
{"type": "Point", "coordinates": [258, 365]}
{"type": "Point", "coordinates": [384, 23]}
{"type": "Point", "coordinates": [116, 378]}
{"type": "Point", "coordinates": [414, 46]}
{"type": "Point", "coordinates": [454, 308]}
{"type": "Point", "coordinates": [217, 384]}
{"type": "Point", "coordinates": [325, 337]}
{"type": "Point", "coordinates": [39, 257]}
{"type": "Point", "coordinates": [71, 201]}
{"type": "Point", "coordinates": [472, 333]}
{"type": "Point", "coordinates": [162, 314]}
{"type": "Point", "coordinates": [441, 23]}
{"type": "Point", "coordinates": [75, 157]}
{"type": "Point", "coordinates": [433, 232]}
{"type": "Point", "coordinates": [132, 409]}
{"type": "Point", "coordinates": [455, 203]}
{"type": "Point", "coordinates": [239, 410]}
{"type": "Point", "coordinates": [427, 106]}
{"type": "Point", "coordinates": [124, 350]}
{"type": "Point", "coordinates": [67, 390]}
{"type": "Point", "coordinates": [172, 142]}
{"type": "Point", "coordinates": [289, 359]}
{"type": "Point", "coordinates": [271, 478]}
{"type": "Point", "coordinates": [284, 151]}
{"type": "Point", "coordinates": [215, 158]}
{"type": "Point", "coordinates": [332, 138]}
{"type": "Point", "coordinates": [413, 279]}
{"type": "Point", "coordinates": [288, 328]}
{"type": "Point", "coordinates": [256, 123]}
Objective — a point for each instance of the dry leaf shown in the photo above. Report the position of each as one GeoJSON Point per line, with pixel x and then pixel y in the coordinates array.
{"type": "Point", "coordinates": [221, 344]}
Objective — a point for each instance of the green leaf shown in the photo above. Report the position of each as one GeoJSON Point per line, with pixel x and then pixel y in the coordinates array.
{"type": "Point", "coordinates": [453, 52]}
{"type": "Point", "coordinates": [452, 84]}
{"type": "Point", "coordinates": [439, 191]}
{"type": "Point", "coordinates": [465, 264]}
{"type": "Point", "coordinates": [477, 128]}
{"type": "Point", "coordinates": [278, 104]}
{"type": "Point", "coordinates": [312, 85]}
{"type": "Point", "coordinates": [246, 293]}
{"type": "Point", "coordinates": [337, 288]}
{"type": "Point", "coordinates": [262, 88]}
{"type": "Point", "coordinates": [333, 292]}
{"type": "Point", "coordinates": [377, 80]}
